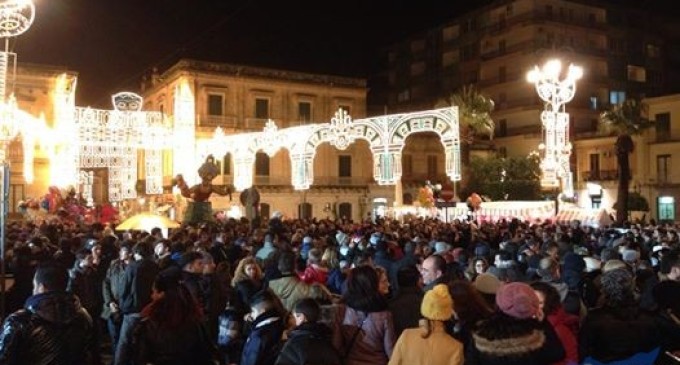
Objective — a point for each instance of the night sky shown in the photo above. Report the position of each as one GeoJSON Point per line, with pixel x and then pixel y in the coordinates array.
{"type": "Point", "coordinates": [111, 44]}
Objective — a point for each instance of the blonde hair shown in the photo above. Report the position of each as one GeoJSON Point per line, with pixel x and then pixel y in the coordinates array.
{"type": "Point", "coordinates": [330, 258]}
{"type": "Point", "coordinates": [240, 273]}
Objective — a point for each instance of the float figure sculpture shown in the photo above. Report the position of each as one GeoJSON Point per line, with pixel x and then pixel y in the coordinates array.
{"type": "Point", "coordinates": [199, 208]}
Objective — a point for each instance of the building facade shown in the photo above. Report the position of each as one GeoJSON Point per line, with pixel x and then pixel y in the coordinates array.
{"type": "Point", "coordinates": [624, 52]}
{"type": "Point", "coordinates": [241, 99]}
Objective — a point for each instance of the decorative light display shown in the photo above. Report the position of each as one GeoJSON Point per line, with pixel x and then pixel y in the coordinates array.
{"type": "Point", "coordinates": [386, 136]}
{"type": "Point", "coordinates": [111, 139]}
{"type": "Point", "coordinates": [556, 147]}
{"type": "Point", "coordinates": [184, 146]}
{"type": "Point", "coordinates": [16, 16]}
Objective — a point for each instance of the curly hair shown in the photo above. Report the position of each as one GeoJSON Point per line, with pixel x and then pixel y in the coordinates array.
{"type": "Point", "coordinates": [618, 287]}
{"type": "Point", "coordinates": [552, 300]}
{"type": "Point", "coordinates": [240, 273]}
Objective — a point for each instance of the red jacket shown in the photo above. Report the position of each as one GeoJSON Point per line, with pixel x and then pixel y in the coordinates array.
{"type": "Point", "coordinates": [566, 326]}
{"type": "Point", "coordinates": [314, 273]}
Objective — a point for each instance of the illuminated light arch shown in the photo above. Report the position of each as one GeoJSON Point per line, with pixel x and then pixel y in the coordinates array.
{"type": "Point", "coordinates": [443, 122]}
{"type": "Point", "coordinates": [386, 136]}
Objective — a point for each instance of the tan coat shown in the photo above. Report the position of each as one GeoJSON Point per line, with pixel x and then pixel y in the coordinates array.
{"type": "Point", "coordinates": [439, 348]}
{"type": "Point", "coordinates": [290, 290]}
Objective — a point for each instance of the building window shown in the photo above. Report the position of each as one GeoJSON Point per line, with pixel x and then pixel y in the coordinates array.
{"type": "Point", "coordinates": [501, 74]}
{"type": "Point", "coordinates": [449, 58]}
{"type": "Point", "coordinates": [637, 73]}
{"type": "Point", "coordinates": [215, 104]}
{"type": "Point", "coordinates": [305, 211]}
{"type": "Point", "coordinates": [404, 95]}
{"type": "Point", "coordinates": [549, 11]}
{"type": "Point", "coordinates": [666, 208]}
{"type": "Point", "coordinates": [653, 51]}
{"type": "Point", "coordinates": [594, 124]}
{"type": "Point", "coordinates": [407, 165]}
{"type": "Point", "coordinates": [617, 97]}
{"type": "Point", "coordinates": [593, 103]}
{"type": "Point", "coordinates": [226, 164]}
{"type": "Point", "coordinates": [345, 210]}
{"type": "Point", "coordinates": [261, 164]}
{"type": "Point", "coordinates": [502, 128]}
{"type": "Point", "coordinates": [418, 69]}
{"type": "Point", "coordinates": [304, 111]}
{"type": "Point", "coordinates": [265, 210]}
{"type": "Point", "coordinates": [663, 126]}
{"type": "Point", "coordinates": [346, 108]}
{"type": "Point", "coordinates": [262, 108]}
{"type": "Point", "coordinates": [663, 165]}
{"type": "Point", "coordinates": [345, 166]}
{"type": "Point", "coordinates": [594, 166]}
{"type": "Point", "coordinates": [161, 109]}
{"type": "Point", "coordinates": [432, 167]}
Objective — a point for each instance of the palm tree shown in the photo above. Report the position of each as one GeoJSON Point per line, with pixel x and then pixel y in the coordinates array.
{"type": "Point", "coordinates": [624, 120]}
{"type": "Point", "coordinates": [474, 116]}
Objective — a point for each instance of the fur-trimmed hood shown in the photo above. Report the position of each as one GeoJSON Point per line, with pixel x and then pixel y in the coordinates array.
{"type": "Point", "coordinates": [510, 346]}
{"type": "Point", "coordinates": [502, 336]}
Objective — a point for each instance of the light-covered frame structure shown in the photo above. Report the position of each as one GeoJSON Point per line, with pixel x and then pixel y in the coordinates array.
{"type": "Point", "coordinates": [96, 138]}
{"type": "Point", "coordinates": [556, 92]}
{"type": "Point", "coordinates": [386, 136]}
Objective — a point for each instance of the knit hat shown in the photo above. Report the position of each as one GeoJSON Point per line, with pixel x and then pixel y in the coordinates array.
{"type": "Point", "coordinates": [486, 283]}
{"type": "Point", "coordinates": [437, 304]}
{"type": "Point", "coordinates": [517, 300]}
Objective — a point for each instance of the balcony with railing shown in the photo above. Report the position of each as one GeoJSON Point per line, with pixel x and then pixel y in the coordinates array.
{"type": "Point", "coordinates": [354, 181]}
{"type": "Point", "coordinates": [230, 122]}
{"type": "Point", "coordinates": [600, 175]}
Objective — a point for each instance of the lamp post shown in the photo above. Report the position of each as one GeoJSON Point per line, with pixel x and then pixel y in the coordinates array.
{"type": "Point", "coordinates": [16, 16]}
{"type": "Point", "coordinates": [555, 92]}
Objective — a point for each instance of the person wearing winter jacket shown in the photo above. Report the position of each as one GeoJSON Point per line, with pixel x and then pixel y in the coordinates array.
{"type": "Point", "coordinates": [310, 341]}
{"type": "Point", "coordinates": [514, 335]}
{"type": "Point", "coordinates": [52, 328]}
{"type": "Point", "coordinates": [566, 325]}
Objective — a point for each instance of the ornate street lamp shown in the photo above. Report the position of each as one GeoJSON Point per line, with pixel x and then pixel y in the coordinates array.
{"type": "Point", "coordinates": [556, 146]}
{"type": "Point", "coordinates": [16, 16]}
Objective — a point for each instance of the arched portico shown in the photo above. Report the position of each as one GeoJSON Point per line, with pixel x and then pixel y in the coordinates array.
{"type": "Point", "coordinates": [386, 136]}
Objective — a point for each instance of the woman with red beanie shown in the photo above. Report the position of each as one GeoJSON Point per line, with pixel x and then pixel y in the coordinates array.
{"type": "Point", "coordinates": [514, 335]}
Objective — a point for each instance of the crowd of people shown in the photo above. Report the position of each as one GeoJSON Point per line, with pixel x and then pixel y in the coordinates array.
{"type": "Point", "coordinates": [338, 292]}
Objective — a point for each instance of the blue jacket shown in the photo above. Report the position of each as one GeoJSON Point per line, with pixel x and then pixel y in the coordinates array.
{"type": "Point", "coordinates": [264, 343]}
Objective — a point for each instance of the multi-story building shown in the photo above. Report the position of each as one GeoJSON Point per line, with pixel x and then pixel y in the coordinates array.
{"type": "Point", "coordinates": [652, 175]}
{"type": "Point", "coordinates": [241, 99]}
{"type": "Point", "coordinates": [624, 53]}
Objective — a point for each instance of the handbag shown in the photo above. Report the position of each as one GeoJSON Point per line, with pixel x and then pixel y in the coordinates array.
{"type": "Point", "coordinates": [348, 349]}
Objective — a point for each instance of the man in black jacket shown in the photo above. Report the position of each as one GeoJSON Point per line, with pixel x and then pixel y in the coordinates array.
{"type": "Point", "coordinates": [136, 294]}
{"type": "Point", "coordinates": [264, 342]}
{"type": "Point", "coordinates": [310, 341]}
{"type": "Point", "coordinates": [53, 328]}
